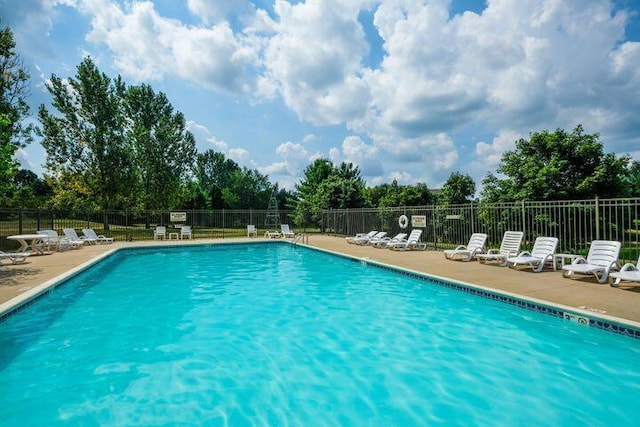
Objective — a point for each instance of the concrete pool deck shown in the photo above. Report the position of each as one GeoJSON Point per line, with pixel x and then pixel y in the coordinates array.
{"type": "Point", "coordinates": [581, 292]}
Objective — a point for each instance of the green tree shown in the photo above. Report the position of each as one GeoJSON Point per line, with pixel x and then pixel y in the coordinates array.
{"type": "Point", "coordinates": [86, 141]}
{"type": "Point", "coordinates": [458, 189]}
{"type": "Point", "coordinates": [557, 166]}
{"type": "Point", "coordinates": [632, 180]}
{"type": "Point", "coordinates": [31, 191]}
{"type": "Point", "coordinates": [163, 150]}
{"type": "Point", "coordinates": [213, 171]}
{"type": "Point", "coordinates": [14, 89]}
{"type": "Point", "coordinates": [327, 187]}
{"type": "Point", "coordinates": [393, 195]}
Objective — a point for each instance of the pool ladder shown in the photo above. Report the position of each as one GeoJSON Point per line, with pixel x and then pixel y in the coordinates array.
{"type": "Point", "coordinates": [302, 238]}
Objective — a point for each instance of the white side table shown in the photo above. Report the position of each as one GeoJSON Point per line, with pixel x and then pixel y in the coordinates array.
{"type": "Point", "coordinates": [563, 258]}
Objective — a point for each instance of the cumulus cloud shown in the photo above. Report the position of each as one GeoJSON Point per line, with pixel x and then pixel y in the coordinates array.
{"type": "Point", "coordinates": [294, 159]}
{"type": "Point", "coordinates": [489, 154]}
{"type": "Point", "coordinates": [355, 150]}
{"type": "Point", "coordinates": [148, 46]}
{"type": "Point", "coordinates": [314, 59]}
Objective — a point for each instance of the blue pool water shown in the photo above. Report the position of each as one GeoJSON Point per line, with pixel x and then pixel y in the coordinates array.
{"type": "Point", "coordinates": [270, 335]}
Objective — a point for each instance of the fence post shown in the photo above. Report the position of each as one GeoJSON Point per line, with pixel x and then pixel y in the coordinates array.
{"type": "Point", "coordinates": [597, 219]}
{"type": "Point", "coordinates": [20, 221]}
{"type": "Point", "coordinates": [524, 218]}
{"type": "Point", "coordinates": [347, 223]}
{"type": "Point", "coordinates": [473, 220]}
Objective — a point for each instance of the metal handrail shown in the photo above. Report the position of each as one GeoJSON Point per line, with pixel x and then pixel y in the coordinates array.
{"type": "Point", "coordinates": [304, 237]}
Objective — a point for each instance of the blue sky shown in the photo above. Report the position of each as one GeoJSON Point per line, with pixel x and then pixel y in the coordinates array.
{"type": "Point", "coordinates": [411, 90]}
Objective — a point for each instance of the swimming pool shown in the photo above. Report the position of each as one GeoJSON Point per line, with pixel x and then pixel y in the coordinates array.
{"type": "Point", "coordinates": [268, 334]}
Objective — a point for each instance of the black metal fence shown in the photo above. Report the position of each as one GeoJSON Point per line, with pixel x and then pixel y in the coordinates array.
{"type": "Point", "coordinates": [129, 225]}
{"type": "Point", "coordinates": [576, 223]}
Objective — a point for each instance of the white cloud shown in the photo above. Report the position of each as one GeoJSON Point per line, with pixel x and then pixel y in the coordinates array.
{"type": "Point", "coordinates": [489, 154]}
{"type": "Point", "coordinates": [314, 60]}
{"type": "Point", "coordinates": [148, 46]}
{"type": "Point", "coordinates": [355, 150]}
{"type": "Point", "coordinates": [294, 159]}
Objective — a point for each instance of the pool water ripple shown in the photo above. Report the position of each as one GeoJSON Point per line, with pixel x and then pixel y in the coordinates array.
{"type": "Point", "coordinates": [272, 335]}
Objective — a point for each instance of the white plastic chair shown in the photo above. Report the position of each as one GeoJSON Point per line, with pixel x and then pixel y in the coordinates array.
{"type": "Point", "coordinates": [70, 233]}
{"type": "Point", "coordinates": [601, 259]}
{"type": "Point", "coordinates": [628, 273]}
{"type": "Point", "coordinates": [160, 233]}
{"type": "Point", "coordinates": [286, 231]}
{"type": "Point", "coordinates": [371, 240]}
{"type": "Point", "coordinates": [542, 253]}
{"type": "Point", "coordinates": [510, 246]}
{"type": "Point", "coordinates": [361, 236]}
{"type": "Point", "coordinates": [185, 231]}
{"type": "Point", "coordinates": [99, 238]}
{"type": "Point", "coordinates": [251, 231]}
{"type": "Point", "coordinates": [410, 243]}
{"type": "Point", "coordinates": [476, 245]}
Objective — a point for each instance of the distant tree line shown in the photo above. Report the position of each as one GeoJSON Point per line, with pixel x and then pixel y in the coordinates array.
{"type": "Point", "coordinates": [113, 146]}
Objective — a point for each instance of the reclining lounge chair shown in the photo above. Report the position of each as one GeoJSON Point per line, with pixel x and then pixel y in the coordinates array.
{"type": "Point", "coordinates": [628, 273]}
{"type": "Point", "coordinates": [476, 245]}
{"type": "Point", "coordinates": [601, 259]}
{"type": "Point", "coordinates": [542, 253]}
{"type": "Point", "coordinates": [509, 247]}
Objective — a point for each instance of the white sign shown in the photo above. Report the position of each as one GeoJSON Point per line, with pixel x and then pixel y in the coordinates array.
{"type": "Point", "coordinates": [178, 216]}
{"type": "Point", "coordinates": [418, 221]}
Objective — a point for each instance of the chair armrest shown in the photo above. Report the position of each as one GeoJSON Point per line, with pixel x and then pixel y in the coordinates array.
{"type": "Point", "coordinates": [460, 248]}
{"type": "Point", "coordinates": [628, 267]}
{"type": "Point", "coordinates": [493, 251]}
{"type": "Point", "coordinates": [580, 260]}
{"type": "Point", "coordinates": [524, 253]}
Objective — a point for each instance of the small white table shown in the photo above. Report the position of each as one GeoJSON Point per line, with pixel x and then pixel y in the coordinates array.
{"type": "Point", "coordinates": [29, 242]}
{"type": "Point", "coordinates": [562, 258]}
{"type": "Point", "coordinates": [176, 235]}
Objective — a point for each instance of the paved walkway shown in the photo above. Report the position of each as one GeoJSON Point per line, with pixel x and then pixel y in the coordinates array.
{"type": "Point", "coordinates": [623, 302]}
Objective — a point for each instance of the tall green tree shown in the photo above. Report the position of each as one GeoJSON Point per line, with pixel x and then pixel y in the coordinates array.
{"type": "Point", "coordinates": [163, 150]}
{"type": "Point", "coordinates": [213, 171]}
{"type": "Point", "coordinates": [86, 139]}
{"type": "Point", "coordinates": [458, 189]}
{"type": "Point", "coordinates": [14, 90]}
{"type": "Point", "coordinates": [394, 194]}
{"type": "Point", "coordinates": [326, 186]}
{"type": "Point", "coordinates": [557, 166]}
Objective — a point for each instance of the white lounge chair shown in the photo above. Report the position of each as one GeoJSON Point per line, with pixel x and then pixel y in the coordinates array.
{"type": "Point", "coordinates": [543, 250]}
{"type": "Point", "coordinates": [99, 238]}
{"type": "Point", "coordinates": [510, 246]}
{"type": "Point", "coordinates": [601, 259]}
{"type": "Point", "coordinates": [251, 231]}
{"type": "Point", "coordinates": [185, 232]}
{"type": "Point", "coordinates": [70, 233]}
{"type": "Point", "coordinates": [286, 231]}
{"type": "Point", "coordinates": [476, 245]}
{"type": "Point", "coordinates": [410, 243]}
{"type": "Point", "coordinates": [359, 236]}
{"type": "Point", "coordinates": [386, 241]}
{"type": "Point", "coordinates": [51, 241]}
{"type": "Point", "coordinates": [370, 240]}
{"type": "Point", "coordinates": [628, 273]}
{"type": "Point", "coordinates": [160, 232]}
{"type": "Point", "coordinates": [14, 257]}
